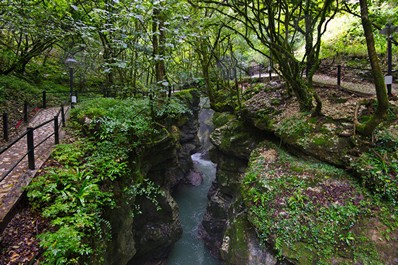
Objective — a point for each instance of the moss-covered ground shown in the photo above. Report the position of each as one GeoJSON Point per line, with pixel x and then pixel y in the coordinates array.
{"type": "Point", "coordinates": [314, 213]}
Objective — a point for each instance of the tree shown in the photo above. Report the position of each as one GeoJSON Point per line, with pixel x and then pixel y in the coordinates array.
{"type": "Point", "coordinates": [382, 98]}
{"type": "Point", "coordinates": [28, 29]}
{"type": "Point", "coordinates": [278, 25]}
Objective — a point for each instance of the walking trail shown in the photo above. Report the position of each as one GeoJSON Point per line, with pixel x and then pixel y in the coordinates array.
{"type": "Point", "coordinates": [12, 186]}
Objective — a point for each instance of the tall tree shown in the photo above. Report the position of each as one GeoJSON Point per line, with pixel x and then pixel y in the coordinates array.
{"type": "Point", "coordinates": [382, 98]}
{"type": "Point", "coordinates": [28, 29]}
{"type": "Point", "coordinates": [278, 25]}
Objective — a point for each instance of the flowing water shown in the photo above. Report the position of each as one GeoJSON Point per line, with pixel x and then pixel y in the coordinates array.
{"type": "Point", "coordinates": [192, 202]}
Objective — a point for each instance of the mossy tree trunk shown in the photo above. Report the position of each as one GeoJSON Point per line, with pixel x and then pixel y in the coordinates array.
{"type": "Point", "coordinates": [382, 98]}
{"type": "Point", "coordinates": [290, 70]}
{"type": "Point", "coordinates": [158, 42]}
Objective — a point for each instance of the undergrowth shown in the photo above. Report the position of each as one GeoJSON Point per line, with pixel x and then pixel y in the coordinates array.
{"type": "Point", "coordinates": [78, 185]}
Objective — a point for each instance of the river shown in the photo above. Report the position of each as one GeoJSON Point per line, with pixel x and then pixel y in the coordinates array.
{"type": "Point", "coordinates": [192, 202]}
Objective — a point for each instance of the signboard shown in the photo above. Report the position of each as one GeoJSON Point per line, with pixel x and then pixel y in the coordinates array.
{"type": "Point", "coordinates": [73, 99]}
{"type": "Point", "coordinates": [388, 79]}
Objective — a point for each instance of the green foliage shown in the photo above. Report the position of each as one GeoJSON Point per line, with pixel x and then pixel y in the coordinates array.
{"type": "Point", "coordinates": [345, 33]}
{"type": "Point", "coordinates": [73, 200]}
{"type": "Point", "coordinates": [13, 87]}
{"type": "Point", "coordinates": [61, 244]}
{"type": "Point", "coordinates": [378, 170]}
{"type": "Point", "coordinates": [301, 209]}
{"type": "Point", "coordinates": [72, 196]}
{"type": "Point", "coordinates": [74, 193]}
{"type": "Point", "coordinates": [147, 189]}
{"type": "Point", "coordinates": [172, 109]}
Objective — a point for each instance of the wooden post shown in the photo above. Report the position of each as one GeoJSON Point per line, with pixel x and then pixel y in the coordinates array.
{"type": "Point", "coordinates": [31, 148]}
{"type": "Point", "coordinates": [5, 126]}
{"type": "Point", "coordinates": [339, 75]}
{"type": "Point", "coordinates": [56, 132]}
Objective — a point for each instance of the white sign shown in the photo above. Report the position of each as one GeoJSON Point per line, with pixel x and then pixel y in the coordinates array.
{"type": "Point", "coordinates": [388, 79]}
{"type": "Point", "coordinates": [73, 99]}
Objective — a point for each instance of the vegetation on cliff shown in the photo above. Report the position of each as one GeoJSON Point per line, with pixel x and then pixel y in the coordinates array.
{"type": "Point", "coordinates": [315, 213]}
{"type": "Point", "coordinates": [85, 177]}
{"type": "Point", "coordinates": [309, 211]}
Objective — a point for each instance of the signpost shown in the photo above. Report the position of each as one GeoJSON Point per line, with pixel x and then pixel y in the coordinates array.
{"type": "Point", "coordinates": [388, 31]}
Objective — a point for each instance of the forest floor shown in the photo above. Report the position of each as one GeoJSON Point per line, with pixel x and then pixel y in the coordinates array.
{"type": "Point", "coordinates": [18, 243]}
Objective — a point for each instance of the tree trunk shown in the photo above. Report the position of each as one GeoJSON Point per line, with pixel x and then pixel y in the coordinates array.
{"type": "Point", "coordinates": [382, 98]}
{"type": "Point", "coordinates": [159, 40]}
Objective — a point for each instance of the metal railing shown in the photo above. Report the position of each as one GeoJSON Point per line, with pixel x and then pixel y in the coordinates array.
{"type": "Point", "coordinates": [342, 70]}
{"type": "Point", "coordinates": [28, 108]}
{"type": "Point", "coordinates": [58, 122]}
{"type": "Point", "coordinates": [31, 146]}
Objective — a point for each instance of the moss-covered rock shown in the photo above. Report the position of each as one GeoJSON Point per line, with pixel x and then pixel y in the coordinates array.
{"type": "Point", "coordinates": [234, 137]}
{"type": "Point", "coordinates": [313, 213]}
{"type": "Point", "coordinates": [241, 245]}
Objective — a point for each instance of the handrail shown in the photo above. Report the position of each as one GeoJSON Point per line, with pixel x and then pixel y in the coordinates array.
{"type": "Point", "coordinates": [12, 143]}
{"type": "Point", "coordinates": [13, 167]}
{"type": "Point", "coordinates": [29, 134]}
{"type": "Point", "coordinates": [31, 145]}
{"type": "Point", "coordinates": [41, 125]}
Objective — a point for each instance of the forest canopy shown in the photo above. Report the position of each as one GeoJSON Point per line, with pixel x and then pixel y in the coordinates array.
{"type": "Point", "coordinates": [125, 46]}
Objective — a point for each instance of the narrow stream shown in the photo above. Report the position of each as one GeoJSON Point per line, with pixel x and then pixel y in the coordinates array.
{"type": "Point", "coordinates": [192, 202]}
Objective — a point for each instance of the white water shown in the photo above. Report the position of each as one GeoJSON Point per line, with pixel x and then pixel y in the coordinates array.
{"type": "Point", "coordinates": [192, 202]}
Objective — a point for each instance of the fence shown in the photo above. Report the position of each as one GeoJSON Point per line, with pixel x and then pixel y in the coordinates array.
{"type": "Point", "coordinates": [29, 108]}
{"type": "Point", "coordinates": [341, 71]}
{"type": "Point", "coordinates": [58, 121]}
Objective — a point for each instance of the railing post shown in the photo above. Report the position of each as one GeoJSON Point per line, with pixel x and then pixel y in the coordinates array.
{"type": "Point", "coordinates": [5, 126]}
{"type": "Point", "coordinates": [339, 75]}
{"type": "Point", "coordinates": [44, 99]}
{"type": "Point", "coordinates": [63, 115]}
{"type": "Point", "coordinates": [31, 148]}
{"type": "Point", "coordinates": [25, 112]}
{"type": "Point", "coordinates": [56, 132]}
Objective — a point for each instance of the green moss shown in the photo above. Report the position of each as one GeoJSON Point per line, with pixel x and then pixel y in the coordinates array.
{"type": "Point", "coordinates": [221, 118]}
{"type": "Point", "coordinates": [186, 94]}
{"type": "Point", "coordinates": [300, 253]}
{"type": "Point", "coordinates": [294, 128]}
{"type": "Point", "coordinates": [312, 212]}
{"type": "Point", "coordinates": [322, 140]}
{"type": "Point", "coordinates": [237, 241]}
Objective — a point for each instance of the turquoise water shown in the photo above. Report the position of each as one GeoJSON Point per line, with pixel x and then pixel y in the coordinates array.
{"type": "Point", "coordinates": [192, 202]}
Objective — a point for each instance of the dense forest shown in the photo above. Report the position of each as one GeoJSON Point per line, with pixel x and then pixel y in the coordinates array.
{"type": "Point", "coordinates": [141, 67]}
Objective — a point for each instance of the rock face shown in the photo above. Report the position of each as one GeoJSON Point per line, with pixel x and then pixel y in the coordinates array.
{"type": "Point", "coordinates": [146, 234]}
{"type": "Point", "coordinates": [228, 225]}
{"type": "Point", "coordinates": [225, 229]}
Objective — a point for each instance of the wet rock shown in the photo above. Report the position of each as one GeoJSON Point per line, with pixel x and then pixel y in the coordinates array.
{"type": "Point", "coordinates": [194, 178]}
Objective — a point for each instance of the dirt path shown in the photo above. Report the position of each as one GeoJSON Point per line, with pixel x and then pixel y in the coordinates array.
{"type": "Point", "coordinates": [365, 88]}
